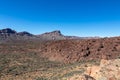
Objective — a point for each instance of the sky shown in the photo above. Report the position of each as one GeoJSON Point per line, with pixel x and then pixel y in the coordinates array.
{"type": "Point", "coordinates": [72, 17]}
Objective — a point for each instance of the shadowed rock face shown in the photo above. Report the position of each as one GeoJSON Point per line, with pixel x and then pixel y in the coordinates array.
{"type": "Point", "coordinates": [11, 35]}
{"type": "Point", "coordinates": [7, 31]}
{"type": "Point", "coordinates": [24, 34]}
{"type": "Point", "coordinates": [54, 33]}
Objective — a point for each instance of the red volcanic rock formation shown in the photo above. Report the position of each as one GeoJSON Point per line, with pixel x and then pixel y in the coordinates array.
{"type": "Point", "coordinates": [76, 50]}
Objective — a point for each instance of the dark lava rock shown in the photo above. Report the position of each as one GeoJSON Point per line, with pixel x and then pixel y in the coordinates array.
{"type": "Point", "coordinates": [24, 34]}
{"type": "Point", "coordinates": [7, 31]}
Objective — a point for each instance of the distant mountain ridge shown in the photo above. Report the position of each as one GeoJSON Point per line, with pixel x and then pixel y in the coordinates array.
{"type": "Point", "coordinates": [9, 34]}
{"type": "Point", "coordinates": [54, 35]}
{"type": "Point", "coordinates": [7, 31]}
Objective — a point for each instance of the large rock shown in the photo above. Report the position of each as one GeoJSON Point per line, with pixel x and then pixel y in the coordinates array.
{"type": "Point", "coordinates": [108, 70]}
{"type": "Point", "coordinates": [82, 77]}
{"type": "Point", "coordinates": [86, 77]}
{"type": "Point", "coordinates": [93, 71]}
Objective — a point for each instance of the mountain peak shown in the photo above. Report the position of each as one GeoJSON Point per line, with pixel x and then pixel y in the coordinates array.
{"type": "Point", "coordinates": [55, 33]}
{"type": "Point", "coordinates": [8, 31]}
{"type": "Point", "coordinates": [25, 33]}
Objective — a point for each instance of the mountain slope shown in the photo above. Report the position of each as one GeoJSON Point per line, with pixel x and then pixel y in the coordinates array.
{"type": "Point", "coordinates": [77, 50]}
{"type": "Point", "coordinates": [27, 58]}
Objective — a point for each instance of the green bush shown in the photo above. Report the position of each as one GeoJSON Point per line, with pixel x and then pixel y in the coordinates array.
{"type": "Point", "coordinates": [41, 78]}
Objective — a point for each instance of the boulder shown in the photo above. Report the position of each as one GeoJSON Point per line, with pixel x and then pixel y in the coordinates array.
{"type": "Point", "coordinates": [108, 70]}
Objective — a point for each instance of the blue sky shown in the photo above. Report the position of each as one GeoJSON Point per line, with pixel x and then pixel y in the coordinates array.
{"type": "Point", "coordinates": [72, 17]}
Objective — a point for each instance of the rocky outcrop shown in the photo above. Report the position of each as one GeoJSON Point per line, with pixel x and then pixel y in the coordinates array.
{"type": "Point", "coordinates": [80, 77]}
{"type": "Point", "coordinates": [69, 51]}
{"type": "Point", "coordinates": [108, 70]}
{"type": "Point", "coordinates": [54, 35]}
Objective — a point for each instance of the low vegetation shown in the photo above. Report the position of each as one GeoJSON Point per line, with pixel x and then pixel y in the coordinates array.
{"type": "Point", "coordinates": [27, 66]}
